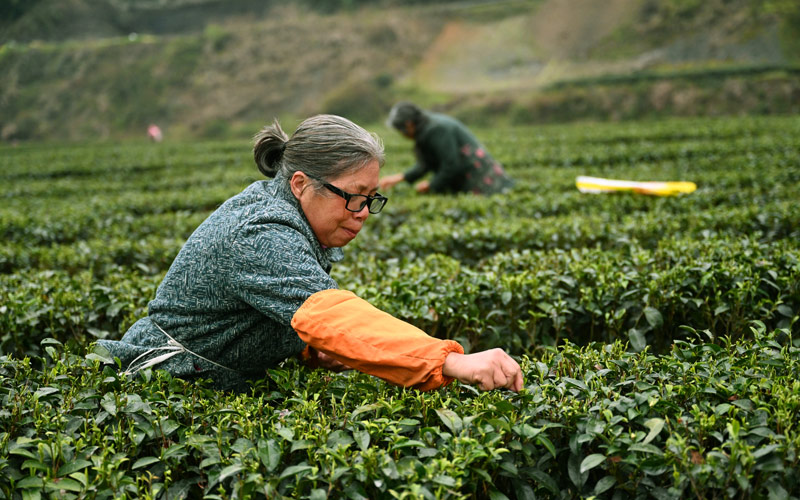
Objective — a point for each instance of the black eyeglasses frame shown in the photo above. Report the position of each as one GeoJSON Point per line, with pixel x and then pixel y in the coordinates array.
{"type": "Point", "coordinates": [368, 199]}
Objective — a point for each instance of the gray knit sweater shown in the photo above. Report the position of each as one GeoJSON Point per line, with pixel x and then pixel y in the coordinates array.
{"type": "Point", "coordinates": [229, 296]}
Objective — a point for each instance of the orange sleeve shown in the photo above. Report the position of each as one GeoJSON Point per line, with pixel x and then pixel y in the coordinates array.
{"type": "Point", "coordinates": [352, 331]}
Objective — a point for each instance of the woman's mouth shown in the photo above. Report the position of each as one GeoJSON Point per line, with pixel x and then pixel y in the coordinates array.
{"type": "Point", "coordinates": [351, 232]}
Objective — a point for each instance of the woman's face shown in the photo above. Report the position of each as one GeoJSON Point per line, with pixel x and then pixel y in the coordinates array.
{"type": "Point", "coordinates": [331, 222]}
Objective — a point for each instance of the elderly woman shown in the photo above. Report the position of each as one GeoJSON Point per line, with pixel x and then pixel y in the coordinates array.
{"type": "Point", "coordinates": [444, 146]}
{"type": "Point", "coordinates": [251, 287]}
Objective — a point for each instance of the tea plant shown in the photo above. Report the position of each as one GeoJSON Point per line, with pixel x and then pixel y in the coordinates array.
{"type": "Point", "coordinates": [658, 336]}
{"type": "Point", "coordinates": [705, 420]}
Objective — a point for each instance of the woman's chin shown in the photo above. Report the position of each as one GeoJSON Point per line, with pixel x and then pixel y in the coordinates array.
{"type": "Point", "coordinates": [338, 242]}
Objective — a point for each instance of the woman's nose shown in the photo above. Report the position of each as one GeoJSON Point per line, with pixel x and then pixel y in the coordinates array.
{"type": "Point", "coordinates": [362, 214]}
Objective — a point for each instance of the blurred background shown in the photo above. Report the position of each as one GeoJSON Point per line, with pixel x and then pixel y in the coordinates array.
{"type": "Point", "coordinates": [106, 69]}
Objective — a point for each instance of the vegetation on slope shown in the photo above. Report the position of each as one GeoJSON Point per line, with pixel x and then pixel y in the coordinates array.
{"type": "Point", "coordinates": [218, 75]}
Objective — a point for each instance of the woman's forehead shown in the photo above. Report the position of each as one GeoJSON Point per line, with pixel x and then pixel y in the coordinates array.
{"type": "Point", "coordinates": [365, 177]}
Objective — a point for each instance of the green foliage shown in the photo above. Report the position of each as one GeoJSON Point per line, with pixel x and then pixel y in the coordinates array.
{"type": "Point", "coordinates": [706, 420]}
{"type": "Point", "coordinates": [658, 336]}
{"type": "Point", "coordinates": [362, 101]}
{"type": "Point", "coordinates": [710, 76]}
{"type": "Point", "coordinates": [671, 11]}
{"type": "Point", "coordinates": [217, 36]}
{"type": "Point", "coordinates": [105, 69]}
{"type": "Point", "coordinates": [92, 228]}
{"type": "Point", "coordinates": [755, 89]}
{"type": "Point", "coordinates": [788, 12]}
{"type": "Point", "coordinates": [331, 6]}
{"type": "Point", "coordinates": [11, 10]}
{"type": "Point", "coordinates": [127, 100]}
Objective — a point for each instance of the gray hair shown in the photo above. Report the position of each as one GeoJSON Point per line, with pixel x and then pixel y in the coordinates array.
{"type": "Point", "coordinates": [404, 112]}
{"type": "Point", "coordinates": [323, 146]}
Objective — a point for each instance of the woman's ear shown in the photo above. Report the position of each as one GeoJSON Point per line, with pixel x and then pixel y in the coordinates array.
{"type": "Point", "coordinates": [298, 183]}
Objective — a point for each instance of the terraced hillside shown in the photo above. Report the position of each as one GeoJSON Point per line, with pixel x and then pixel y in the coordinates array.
{"type": "Point", "coordinates": [213, 75]}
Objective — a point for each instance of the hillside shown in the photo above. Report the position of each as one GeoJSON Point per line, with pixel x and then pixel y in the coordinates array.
{"type": "Point", "coordinates": [105, 68]}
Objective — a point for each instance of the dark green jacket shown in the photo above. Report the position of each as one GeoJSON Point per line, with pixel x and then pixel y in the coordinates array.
{"type": "Point", "coordinates": [458, 161]}
{"type": "Point", "coordinates": [229, 296]}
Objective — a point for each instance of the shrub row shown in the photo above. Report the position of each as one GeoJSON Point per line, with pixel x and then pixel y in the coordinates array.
{"type": "Point", "coordinates": [703, 421]}
{"type": "Point", "coordinates": [657, 336]}
{"type": "Point", "coordinates": [68, 235]}
{"type": "Point", "coordinates": [519, 299]}
{"type": "Point", "coordinates": [524, 299]}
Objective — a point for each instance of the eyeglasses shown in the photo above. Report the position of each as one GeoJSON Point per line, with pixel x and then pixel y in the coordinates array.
{"type": "Point", "coordinates": [357, 202]}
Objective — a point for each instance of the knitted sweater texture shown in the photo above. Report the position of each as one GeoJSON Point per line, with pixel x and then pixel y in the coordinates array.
{"type": "Point", "coordinates": [229, 296]}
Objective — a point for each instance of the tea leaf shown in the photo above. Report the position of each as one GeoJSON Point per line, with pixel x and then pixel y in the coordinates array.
{"type": "Point", "coordinates": [655, 425]}
{"type": "Point", "coordinates": [591, 461]}
{"type": "Point", "coordinates": [450, 419]}
{"type": "Point", "coordinates": [293, 470]}
{"type": "Point", "coordinates": [144, 462]}
{"type": "Point", "coordinates": [604, 485]}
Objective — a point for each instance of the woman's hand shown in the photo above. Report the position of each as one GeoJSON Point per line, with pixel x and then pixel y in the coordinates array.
{"type": "Point", "coordinates": [325, 361]}
{"type": "Point", "coordinates": [423, 186]}
{"type": "Point", "coordinates": [318, 359]}
{"type": "Point", "coordinates": [389, 181]}
{"type": "Point", "coordinates": [492, 369]}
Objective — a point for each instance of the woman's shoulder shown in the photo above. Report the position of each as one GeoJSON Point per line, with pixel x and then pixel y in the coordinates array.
{"type": "Point", "coordinates": [249, 212]}
{"type": "Point", "coordinates": [259, 200]}
{"type": "Point", "coordinates": [268, 210]}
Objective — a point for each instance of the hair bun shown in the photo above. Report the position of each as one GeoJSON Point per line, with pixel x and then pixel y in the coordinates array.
{"type": "Point", "coordinates": [268, 148]}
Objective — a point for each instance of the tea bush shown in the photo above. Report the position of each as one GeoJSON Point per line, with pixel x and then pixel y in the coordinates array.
{"type": "Point", "coordinates": [657, 335]}
{"type": "Point", "coordinates": [705, 420]}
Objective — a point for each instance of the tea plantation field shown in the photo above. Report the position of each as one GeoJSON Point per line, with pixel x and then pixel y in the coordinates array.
{"type": "Point", "coordinates": [659, 337]}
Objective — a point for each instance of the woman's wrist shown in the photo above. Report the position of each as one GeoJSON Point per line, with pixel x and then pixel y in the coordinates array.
{"type": "Point", "coordinates": [450, 368]}
{"type": "Point", "coordinates": [492, 369]}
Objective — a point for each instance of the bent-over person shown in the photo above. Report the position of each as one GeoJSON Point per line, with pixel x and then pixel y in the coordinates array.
{"type": "Point", "coordinates": [251, 286]}
{"type": "Point", "coordinates": [445, 148]}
